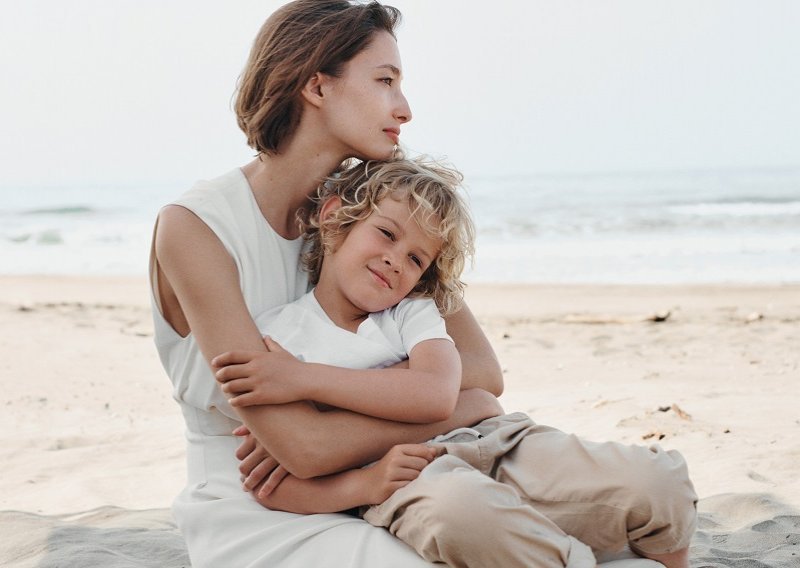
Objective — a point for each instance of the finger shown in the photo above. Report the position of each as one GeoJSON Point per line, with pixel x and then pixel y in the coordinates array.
{"type": "Point", "coordinates": [241, 431]}
{"type": "Point", "coordinates": [246, 447]}
{"type": "Point", "coordinates": [232, 372]}
{"type": "Point", "coordinates": [232, 358]}
{"type": "Point", "coordinates": [272, 345]}
{"type": "Point", "coordinates": [260, 473]}
{"type": "Point", "coordinates": [438, 451]}
{"type": "Point", "coordinates": [418, 450]}
{"type": "Point", "coordinates": [404, 473]}
{"type": "Point", "coordinates": [252, 460]}
{"type": "Point", "coordinates": [237, 386]}
{"type": "Point", "coordinates": [248, 398]}
{"type": "Point", "coordinates": [277, 475]}
{"type": "Point", "coordinates": [416, 463]}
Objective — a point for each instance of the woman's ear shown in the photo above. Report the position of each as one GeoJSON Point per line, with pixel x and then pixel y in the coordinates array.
{"type": "Point", "coordinates": [313, 91]}
{"type": "Point", "coordinates": [331, 205]}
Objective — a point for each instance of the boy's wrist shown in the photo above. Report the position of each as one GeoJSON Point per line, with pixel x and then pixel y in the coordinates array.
{"type": "Point", "coordinates": [303, 375]}
{"type": "Point", "coordinates": [355, 487]}
{"type": "Point", "coordinates": [366, 483]}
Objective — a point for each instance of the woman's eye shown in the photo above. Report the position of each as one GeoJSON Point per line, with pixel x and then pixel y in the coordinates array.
{"type": "Point", "coordinates": [388, 80]}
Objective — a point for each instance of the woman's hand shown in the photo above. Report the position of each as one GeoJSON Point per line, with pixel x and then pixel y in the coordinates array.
{"type": "Point", "coordinates": [256, 466]}
{"type": "Point", "coordinates": [399, 467]}
{"type": "Point", "coordinates": [257, 377]}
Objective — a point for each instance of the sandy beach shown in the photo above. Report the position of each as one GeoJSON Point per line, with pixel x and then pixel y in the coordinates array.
{"type": "Point", "coordinates": [92, 438]}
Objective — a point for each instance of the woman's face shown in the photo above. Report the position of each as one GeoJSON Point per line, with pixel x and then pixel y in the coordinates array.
{"type": "Point", "coordinates": [365, 107]}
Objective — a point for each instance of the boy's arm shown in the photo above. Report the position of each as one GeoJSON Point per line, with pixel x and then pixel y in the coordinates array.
{"type": "Point", "coordinates": [307, 442]}
{"type": "Point", "coordinates": [348, 489]}
{"type": "Point", "coordinates": [425, 392]}
{"type": "Point", "coordinates": [367, 439]}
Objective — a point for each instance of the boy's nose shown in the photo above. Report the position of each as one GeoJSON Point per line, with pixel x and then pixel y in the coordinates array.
{"type": "Point", "coordinates": [391, 262]}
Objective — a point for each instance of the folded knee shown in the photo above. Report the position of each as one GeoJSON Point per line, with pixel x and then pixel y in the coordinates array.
{"type": "Point", "coordinates": [456, 499]}
{"type": "Point", "coordinates": [665, 495]}
{"type": "Point", "coordinates": [663, 475]}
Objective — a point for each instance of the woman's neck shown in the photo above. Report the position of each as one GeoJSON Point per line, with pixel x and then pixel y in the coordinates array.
{"type": "Point", "coordinates": [282, 183]}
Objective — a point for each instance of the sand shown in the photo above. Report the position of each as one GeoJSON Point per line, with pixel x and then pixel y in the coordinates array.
{"type": "Point", "coordinates": [92, 446]}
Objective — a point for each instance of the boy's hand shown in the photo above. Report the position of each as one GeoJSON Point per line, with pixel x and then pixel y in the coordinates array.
{"type": "Point", "coordinates": [399, 467]}
{"type": "Point", "coordinates": [258, 377]}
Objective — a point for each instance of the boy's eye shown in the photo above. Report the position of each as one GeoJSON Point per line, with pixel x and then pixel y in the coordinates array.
{"type": "Point", "coordinates": [387, 233]}
{"type": "Point", "coordinates": [416, 260]}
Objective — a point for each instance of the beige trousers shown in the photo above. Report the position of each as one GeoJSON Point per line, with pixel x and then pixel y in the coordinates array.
{"type": "Point", "coordinates": [513, 493]}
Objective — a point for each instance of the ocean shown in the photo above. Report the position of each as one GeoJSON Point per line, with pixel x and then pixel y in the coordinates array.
{"type": "Point", "coordinates": [728, 226]}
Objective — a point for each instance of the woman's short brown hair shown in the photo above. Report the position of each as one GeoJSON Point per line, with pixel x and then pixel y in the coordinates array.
{"type": "Point", "coordinates": [299, 39]}
{"type": "Point", "coordinates": [431, 191]}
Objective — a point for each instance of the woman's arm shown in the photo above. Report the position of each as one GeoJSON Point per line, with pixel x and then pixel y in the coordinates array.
{"type": "Point", "coordinates": [425, 392]}
{"type": "Point", "coordinates": [200, 292]}
{"type": "Point", "coordinates": [480, 368]}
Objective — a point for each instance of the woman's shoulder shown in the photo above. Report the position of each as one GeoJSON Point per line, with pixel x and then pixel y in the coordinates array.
{"type": "Point", "coordinates": [212, 210]}
{"type": "Point", "coordinates": [231, 184]}
{"type": "Point", "coordinates": [218, 202]}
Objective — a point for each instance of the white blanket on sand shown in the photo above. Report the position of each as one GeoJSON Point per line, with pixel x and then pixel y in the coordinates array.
{"type": "Point", "coordinates": [735, 530]}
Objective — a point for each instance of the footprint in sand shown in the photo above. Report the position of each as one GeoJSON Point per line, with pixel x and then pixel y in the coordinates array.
{"type": "Point", "coordinates": [71, 442]}
{"type": "Point", "coordinates": [755, 476]}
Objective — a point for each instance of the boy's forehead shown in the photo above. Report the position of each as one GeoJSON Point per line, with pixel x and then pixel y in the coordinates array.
{"type": "Point", "coordinates": [403, 210]}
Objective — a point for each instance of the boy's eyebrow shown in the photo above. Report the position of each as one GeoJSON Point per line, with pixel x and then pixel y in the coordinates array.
{"type": "Point", "coordinates": [390, 220]}
{"type": "Point", "coordinates": [399, 230]}
{"type": "Point", "coordinates": [428, 256]}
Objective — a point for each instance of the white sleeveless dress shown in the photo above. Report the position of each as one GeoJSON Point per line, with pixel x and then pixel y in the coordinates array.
{"type": "Point", "coordinates": [223, 526]}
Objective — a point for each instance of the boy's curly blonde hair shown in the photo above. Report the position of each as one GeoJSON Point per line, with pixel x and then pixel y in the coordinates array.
{"type": "Point", "coordinates": [430, 190]}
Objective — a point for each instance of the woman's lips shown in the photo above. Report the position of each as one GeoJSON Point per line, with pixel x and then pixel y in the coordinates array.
{"type": "Point", "coordinates": [393, 133]}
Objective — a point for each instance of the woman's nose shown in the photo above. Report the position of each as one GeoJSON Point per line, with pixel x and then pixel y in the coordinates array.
{"type": "Point", "coordinates": [403, 111]}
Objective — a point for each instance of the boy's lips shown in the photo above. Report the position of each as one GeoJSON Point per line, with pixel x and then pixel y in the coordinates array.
{"type": "Point", "coordinates": [382, 280]}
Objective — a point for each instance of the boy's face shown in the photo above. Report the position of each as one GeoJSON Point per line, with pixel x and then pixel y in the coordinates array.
{"type": "Point", "coordinates": [380, 260]}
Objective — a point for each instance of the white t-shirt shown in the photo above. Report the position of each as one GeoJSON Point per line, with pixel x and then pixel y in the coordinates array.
{"type": "Point", "coordinates": [384, 338]}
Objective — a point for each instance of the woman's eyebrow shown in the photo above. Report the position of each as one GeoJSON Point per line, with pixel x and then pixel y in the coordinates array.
{"type": "Point", "coordinates": [391, 68]}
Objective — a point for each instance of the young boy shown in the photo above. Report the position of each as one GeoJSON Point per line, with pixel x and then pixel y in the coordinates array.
{"type": "Point", "coordinates": [507, 492]}
{"type": "Point", "coordinates": [387, 244]}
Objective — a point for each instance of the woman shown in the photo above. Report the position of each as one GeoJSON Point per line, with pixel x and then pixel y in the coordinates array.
{"type": "Point", "coordinates": [322, 85]}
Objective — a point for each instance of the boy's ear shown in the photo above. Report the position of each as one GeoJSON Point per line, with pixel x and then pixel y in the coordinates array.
{"type": "Point", "coordinates": [314, 90]}
{"type": "Point", "coordinates": [331, 205]}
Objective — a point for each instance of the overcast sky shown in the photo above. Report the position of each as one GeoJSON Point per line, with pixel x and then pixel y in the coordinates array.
{"type": "Point", "coordinates": [124, 92]}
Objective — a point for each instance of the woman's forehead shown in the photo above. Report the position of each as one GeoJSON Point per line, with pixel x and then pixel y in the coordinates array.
{"type": "Point", "coordinates": [381, 54]}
